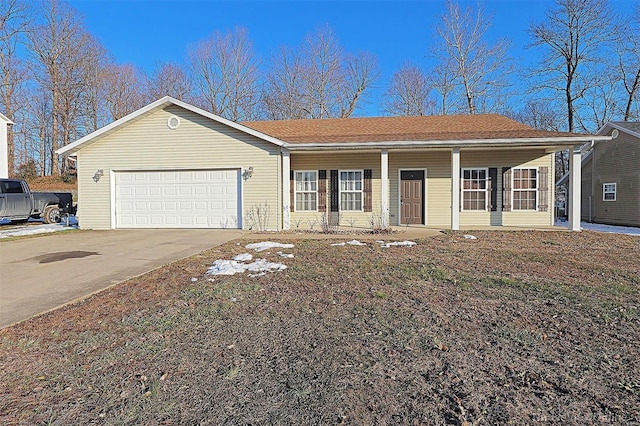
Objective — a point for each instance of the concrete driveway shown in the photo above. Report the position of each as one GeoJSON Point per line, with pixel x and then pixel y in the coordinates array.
{"type": "Point", "coordinates": [40, 274]}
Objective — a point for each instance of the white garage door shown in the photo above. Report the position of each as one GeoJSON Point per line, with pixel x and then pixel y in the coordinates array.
{"type": "Point", "coordinates": [178, 199]}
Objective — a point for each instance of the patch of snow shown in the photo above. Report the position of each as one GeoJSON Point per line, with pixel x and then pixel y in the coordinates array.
{"type": "Point", "coordinates": [34, 230]}
{"type": "Point", "coordinates": [258, 275]}
{"type": "Point", "coordinates": [194, 279]}
{"type": "Point", "coordinates": [232, 267]}
{"type": "Point", "coordinates": [351, 243]}
{"type": "Point", "coordinates": [226, 267]}
{"type": "Point", "coordinates": [288, 255]}
{"type": "Point", "coordinates": [243, 257]}
{"type": "Point", "coordinates": [266, 245]}
{"type": "Point", "coordinates": [599, 227]}
{"type": "Point", "coordinates": [380, 242]}
{"type": "Point", "coordinates": [399, 243]}
{"type": "Point", "coordinates": [470, 237]}
{"type": "Point", "coordinates": [625, 230]}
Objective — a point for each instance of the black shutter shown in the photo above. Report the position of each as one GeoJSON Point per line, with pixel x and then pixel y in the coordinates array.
{"type": "Point", "coordinates": [493, 188]}
{"type": "Point", "coordinates": [335, 204]}
{"type": "Point", "coordinates": [322, 190]}
{"type": "Point", "coordinates": [506, 189]}
{"type": "Point", "coordinates": [368, 202]}
{"type": "Point", "coordinates": [292, 191]}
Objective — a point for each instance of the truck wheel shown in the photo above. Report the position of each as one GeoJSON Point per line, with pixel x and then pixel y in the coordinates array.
{"type": "Point", "coordinates": [52, 214]}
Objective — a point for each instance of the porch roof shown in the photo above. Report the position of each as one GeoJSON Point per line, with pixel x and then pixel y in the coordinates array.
{"type": "Point", "coordinates": [449, 130]}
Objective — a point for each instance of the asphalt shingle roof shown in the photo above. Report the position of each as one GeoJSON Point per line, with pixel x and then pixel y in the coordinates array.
{"type": "Point", "coordinates": [390, 129]}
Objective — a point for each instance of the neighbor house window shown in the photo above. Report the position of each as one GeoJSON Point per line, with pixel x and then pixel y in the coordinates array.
{"type": "Point", "coordinates": [474, 189]}
{"type": "Point", "coordinates": [609, 192]}
{"type": "Point", "coordinates": [306, 190]}
{"type": "Point", "coordinates": [351, 190]}
{"type": "Point", "coordinates": [525, 189]}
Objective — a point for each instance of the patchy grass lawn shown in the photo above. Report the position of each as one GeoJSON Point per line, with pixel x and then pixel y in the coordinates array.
{"type": "Point", "coordinates": [511, 328]}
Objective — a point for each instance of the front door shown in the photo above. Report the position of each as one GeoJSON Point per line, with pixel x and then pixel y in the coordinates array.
{"type": "Point", "coordinates": [412, 197]}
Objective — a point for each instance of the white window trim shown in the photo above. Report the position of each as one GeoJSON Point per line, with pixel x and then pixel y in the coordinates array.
{"type": "Point", "coordinates": [615, 191]}
{"type": "Point", "coordinates": [296, 192]}
{"type": "Point", "coordinates": [485, 190]}
{"type": "Point", "coordinates": [514, 190]}
{"type": "Point", "coordinates": [340, 191]}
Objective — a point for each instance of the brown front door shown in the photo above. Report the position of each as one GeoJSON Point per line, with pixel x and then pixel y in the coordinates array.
{"type": "Point", "coordinates": [412, 197]}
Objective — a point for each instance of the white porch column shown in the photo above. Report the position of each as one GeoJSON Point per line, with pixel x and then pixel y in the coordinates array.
{"type": "Point", "coordinates": [575, 184]}
{"type": "Point", "coordinates": [286, 208]}
{"type": "Point", "coordinates": [384, 193]}
{"type": "Point", "coordinates": [455, 189]}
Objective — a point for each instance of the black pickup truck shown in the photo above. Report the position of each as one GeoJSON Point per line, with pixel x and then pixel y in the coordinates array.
{"type": "Point", "coordinates": [18, 203]}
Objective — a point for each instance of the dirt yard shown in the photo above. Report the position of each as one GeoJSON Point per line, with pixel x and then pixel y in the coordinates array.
{"type": "Point", "coordinates": [510, 328]}
{"type": "Point", "coordinates": [52, 184]}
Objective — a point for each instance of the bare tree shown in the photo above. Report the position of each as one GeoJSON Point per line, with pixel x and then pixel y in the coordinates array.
{"type": "Point", "coordinates": [58, 47]}
{"type": "Point", "coordinates": [123, 93]}
{"type": "Point", "coordinates": [478, 68]}
{"type": "Point", "coordinates": [95, 60]}
{"type": "Point", "coordinates": [409, 93]}
{"type": "Point", "coordinates": [361, 73]}
{"type": "Point", "coordinates": [325, 76]}
{"type": "Point", "coordinates": [600, 103]}
{"type": "Point", "coordinates": [225, 73]}
{"type": "Point", "coordinates": [540, 114]}
{"type": "Point", "coordinates": [573, 34]}
{"type": "Point", "coordinates": [169, 80]}
{"type": "Point", "coordinates": [628, 53]}
{"type": "Point", "coordinates": [443, 80]}
{"type": "Point", "coordinates": [14, 23]}
{"type": "Point", "coordinates": [282, 96]}
{"type": "Point", "coordinates": [318, 80]}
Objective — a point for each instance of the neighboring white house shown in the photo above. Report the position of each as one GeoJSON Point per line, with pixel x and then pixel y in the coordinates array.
{"type": "Point", "coordinates": [4, 146]}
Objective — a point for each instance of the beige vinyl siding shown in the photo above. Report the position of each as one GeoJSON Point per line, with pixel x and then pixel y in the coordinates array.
{"type": "Point", "coordinates": [515, 158]}
{"type": "Point", "coordinates": [617, 162]}
{"type": "Point", "coordinates": [198, 143]}
{"type": "Point", "coordinates": [437, 188]}
{"type": "Point", "coordinates": [438, 185]}
{"type": "Point", "coordinates": [342, 160]}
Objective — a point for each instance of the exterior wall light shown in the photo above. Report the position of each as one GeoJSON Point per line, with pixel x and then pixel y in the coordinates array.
{"type": "Point", "coordinates": [247, 173]}
{"type": "Point", "coordinates": [97, 175]}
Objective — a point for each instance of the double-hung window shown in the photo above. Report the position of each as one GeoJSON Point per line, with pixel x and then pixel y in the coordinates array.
{"type": "Point", "coordinates": [525, 189]}
{"type": "Point", "coordinates": [306, 190]}
{"type": "Point", "coordinates": [474, 189]}
{"type": "Point", "coordinates": [351, 190]}
{"type": "Point", "coordinates": [609, 192]}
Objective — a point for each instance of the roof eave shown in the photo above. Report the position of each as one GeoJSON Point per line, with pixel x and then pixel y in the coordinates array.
{"type": "Point", "coordinates": [469, 143]}
{"type": "Point", "coordinates": [6, 119]}
{"type": "Point", "coordinates": [609, 126]}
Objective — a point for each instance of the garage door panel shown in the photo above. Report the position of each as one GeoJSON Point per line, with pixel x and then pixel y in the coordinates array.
{"type": "Point", "coordinates": [177, 199]}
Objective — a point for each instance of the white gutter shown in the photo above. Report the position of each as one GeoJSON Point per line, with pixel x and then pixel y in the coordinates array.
{"type": "Point", "coordinates": [469, 143]}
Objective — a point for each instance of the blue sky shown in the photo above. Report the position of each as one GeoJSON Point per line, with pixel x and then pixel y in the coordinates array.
{"type": "Point", "coordinates": [143, 32]}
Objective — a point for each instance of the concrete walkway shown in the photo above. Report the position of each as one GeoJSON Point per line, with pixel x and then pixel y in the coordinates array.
{"type": "Point", "coordinates": [40, 274]}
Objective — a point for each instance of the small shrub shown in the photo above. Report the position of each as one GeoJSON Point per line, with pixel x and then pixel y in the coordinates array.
{"type": "Point", "coordinates": [312, 222]}
{"type": "Point", "coordinates": [258, 217]}
{"type": "Point", "coordinates": [329, 223]}
{"type": "Point", "coordinates": [27, 170]}
{"type": "Point", "coordinates": [377, 224]}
